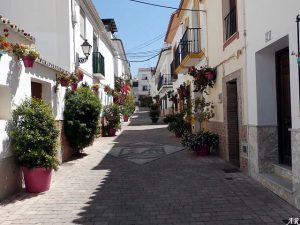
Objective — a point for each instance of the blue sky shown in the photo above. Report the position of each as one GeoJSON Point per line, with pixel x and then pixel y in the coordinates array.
{"type": "Point", "coordinates": [137, 24]}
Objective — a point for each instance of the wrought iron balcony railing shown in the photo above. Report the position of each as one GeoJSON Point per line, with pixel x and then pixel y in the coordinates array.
{"type": "Point", "coordinates": [189, 43]}
{"type": "Point", "coordinates": [230, 23]}
{"type": "Point", "coordinates": [165, 79]}
{"type": "Point", "coordinates": [98, 63]}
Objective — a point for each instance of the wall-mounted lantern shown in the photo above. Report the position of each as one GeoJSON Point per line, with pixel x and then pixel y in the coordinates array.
{"type": "Point", "coordinates": [86, 48]}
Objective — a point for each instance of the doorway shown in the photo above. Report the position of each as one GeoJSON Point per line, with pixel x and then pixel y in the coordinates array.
{"type": "Point", "coordinates": [284, 118]}
{"type": "Point", "coordinates": [233, 123]}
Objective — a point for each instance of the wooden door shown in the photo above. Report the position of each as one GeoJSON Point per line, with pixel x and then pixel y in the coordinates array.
{"type": "Point", "coordinates": [36, 90]}
{"type": "Point", "coordinates": [284, 117]}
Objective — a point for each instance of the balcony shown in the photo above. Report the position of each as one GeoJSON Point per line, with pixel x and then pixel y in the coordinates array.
{"type": "Point", "coordinates": [164, 80]}
{"type": "Point", "coordinates": [174, 75]}
{"type": "Point", "coordinates": [98, 65]}
{"type": "Point", "coordinates": [188, 52]}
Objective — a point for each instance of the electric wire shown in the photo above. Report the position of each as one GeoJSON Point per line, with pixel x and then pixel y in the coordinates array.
{"type": "Point", "coordinates": [167, 7]}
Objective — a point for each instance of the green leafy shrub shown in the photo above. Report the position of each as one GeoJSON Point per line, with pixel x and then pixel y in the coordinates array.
{"type": "Point", "coordinates": [154, 112]}
{"type": "Point", "coordinates": [81, 117]}
{"type": "Point", "coordinates": [111, 113]}
{"type": "Point", "coordinates": [34, 135]}
{"type": "Point", "coordinates": [180, 127]}
{"type": "Point", "coordinates": [173, 117]}
{"type": "Point", "coordinates": [201, 138]}
{"type": "Point", "coordinates": [128, 107]}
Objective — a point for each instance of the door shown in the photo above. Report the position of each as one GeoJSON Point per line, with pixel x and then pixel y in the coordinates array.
{"type": "Point", "coordinates": [284, 117]}
{"type": "Point", "coordinates": [36, 90]}
{"type": "Point", "coordinates": [233, 123]}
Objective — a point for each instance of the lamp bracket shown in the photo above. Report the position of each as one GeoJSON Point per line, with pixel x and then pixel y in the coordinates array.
{"type": "Point", "coordinates": [83, 60]}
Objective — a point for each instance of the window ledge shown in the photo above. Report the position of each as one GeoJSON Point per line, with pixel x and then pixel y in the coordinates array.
{"type": "Point", "coordinates": [236, 35]}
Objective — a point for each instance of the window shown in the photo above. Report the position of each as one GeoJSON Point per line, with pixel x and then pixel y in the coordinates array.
{"type": "Point", "coordinates": [82, 23]}
{"type": "Point", "coordinates": [145, 88]}
{"type": "Point", "coordinates": [144, 77]}
{"type": "Point", "coordinates": [36, 90]}
{"type": "Point", "coordinates": [230, 18]}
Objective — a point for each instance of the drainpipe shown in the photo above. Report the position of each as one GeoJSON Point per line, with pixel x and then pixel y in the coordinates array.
{"type": "Point", "coordinates": [245, 75]}
{"type": "Point", "coordinates": [298, 53]}
{"type": "Point", "coordinates": [73, 31]}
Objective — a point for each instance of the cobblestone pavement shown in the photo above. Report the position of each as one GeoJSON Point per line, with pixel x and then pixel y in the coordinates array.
{"type": "Point", "coordinates": [178, 188]}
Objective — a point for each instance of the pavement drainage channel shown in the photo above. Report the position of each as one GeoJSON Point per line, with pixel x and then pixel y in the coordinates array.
{"type": "Point", "coordinates": [233, 170]}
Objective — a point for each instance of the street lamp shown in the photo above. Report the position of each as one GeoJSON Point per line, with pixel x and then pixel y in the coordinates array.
{"type": "Point", "coordinates": [86, 48]}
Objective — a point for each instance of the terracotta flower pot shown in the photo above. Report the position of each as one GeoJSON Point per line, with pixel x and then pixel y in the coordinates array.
{"type": "Point", "coordinates": [74, 86]}
{"type": "Point", "coordinates": [178, 134]}
{"type": "Point", "coordinates": [28, 61]}
{"type": "Point", "coordinates": [111, 132]}
{"type": "Point", "coordinates": [125, 118]}
{"type": "Point", "coordinates": [202, 150]}
{"type": "Point", "coordinates": [64, 82]}
{"type": "Point", "coordinates": [37, 179]}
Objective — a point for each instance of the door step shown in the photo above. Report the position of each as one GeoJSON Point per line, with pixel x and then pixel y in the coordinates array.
{"type": "Point", "coordinates": [281, 186]}
{"type": "Point", "coordinates": [283, 171]}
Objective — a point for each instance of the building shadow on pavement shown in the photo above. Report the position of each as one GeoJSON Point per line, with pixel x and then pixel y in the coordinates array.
{"type": "Point", "coordinates": [177, 188]}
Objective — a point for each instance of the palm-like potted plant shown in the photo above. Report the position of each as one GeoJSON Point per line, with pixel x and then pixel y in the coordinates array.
{"type": "Point", "coordinates": [111, 114]}
{"type": "Point", "coordinates": [34, 141]}
{"type": "Point", "coordinates": [179, 127]}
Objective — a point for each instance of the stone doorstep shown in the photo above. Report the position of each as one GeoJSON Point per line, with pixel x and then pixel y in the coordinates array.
{"type": "Point", "coordinates": [283, 171]}
{"type": "Point", "coordinates": [281, 186]}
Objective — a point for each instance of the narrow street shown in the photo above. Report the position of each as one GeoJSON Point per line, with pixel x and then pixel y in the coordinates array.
{"type": "Point", "coordinates": [143, 176]}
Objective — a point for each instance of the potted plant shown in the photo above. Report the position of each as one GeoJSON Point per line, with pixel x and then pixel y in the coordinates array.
{"type": "Point", "coordinates": [95, 87]}
{"type": "Point", "coordinates": [203, 110]}
{"type": "Point", "coordinates": [128, 107]}
{"type": "Point", "coordinates": [200, 142]}
{"type": "Point", "coordinates": [111, 114]}
{"type": "Point", "coordinates": [154, 112]}
{"type": "Point", "coordinates": [179, 127]}
{"type": "Point", "coordinates": [202, 78]}
{"type": "Point", "coordinates": [27, 53]}
{"type": "Point", "coordinates": [73, 82]}
{"type": "Point", "coordinates": [5, 46]}
{"type": "Point", "coordinates": [34, 140]}
{"type": "Point", "coordinates": [63, 79]}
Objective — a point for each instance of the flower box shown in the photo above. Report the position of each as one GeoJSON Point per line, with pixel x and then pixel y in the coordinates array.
{"type": "Point", "coordinates": [64, 82]}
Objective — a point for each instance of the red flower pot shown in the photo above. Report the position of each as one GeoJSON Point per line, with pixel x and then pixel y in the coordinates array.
{"type": "Point", "coordinates": [125, 118]}
{"type": "Point", "coordinates": [112, 132]}
{"type": "Point", "coordinates": [64, 82]}
{"type": "Point", "coordinates": [74, 86]}
{"type": "Point", "coordinates": [202, 151]}
{"type": "Point", "coordinates": [178, 134]}
{"type": "Point", "coordinates": [28, 61]}
{"type": "Point", "coordinates": [37, 179]}
{"type": "Point", "coordinates": [209, 75]}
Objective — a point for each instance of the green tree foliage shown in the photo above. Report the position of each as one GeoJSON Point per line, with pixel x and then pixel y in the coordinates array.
{"type": "Point", "coordinates": [34, 135]}
{"type": "Point", "coordinates": [81, 117]}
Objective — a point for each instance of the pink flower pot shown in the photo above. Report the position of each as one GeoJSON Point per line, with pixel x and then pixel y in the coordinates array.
{"type": "Point", "coordinates": [95, 89]}
{"type": "Point", "coordinates": [28, 61]}
{"type": "Point", "coordinates": [209, 75]}
{"type": "Point", "coordinates": [125, 118]}
{"type": "Point", "coordinates": [74, 87]}
{"type": "Point", "coordinates": [37, 179]}
{"type": "Point", "coordinates": [111, 132]}
{"type": "Point", "coordinates": [202, 151]}
{"type": "Point", "coordinates": [64, 82]}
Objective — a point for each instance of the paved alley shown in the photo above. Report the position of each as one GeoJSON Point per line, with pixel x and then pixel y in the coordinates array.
{"type": "Point", "coordinates": [143, 176]}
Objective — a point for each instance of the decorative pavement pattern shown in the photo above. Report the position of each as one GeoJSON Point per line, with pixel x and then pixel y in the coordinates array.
{"type": "Point", "coordinates": [142, 152]}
